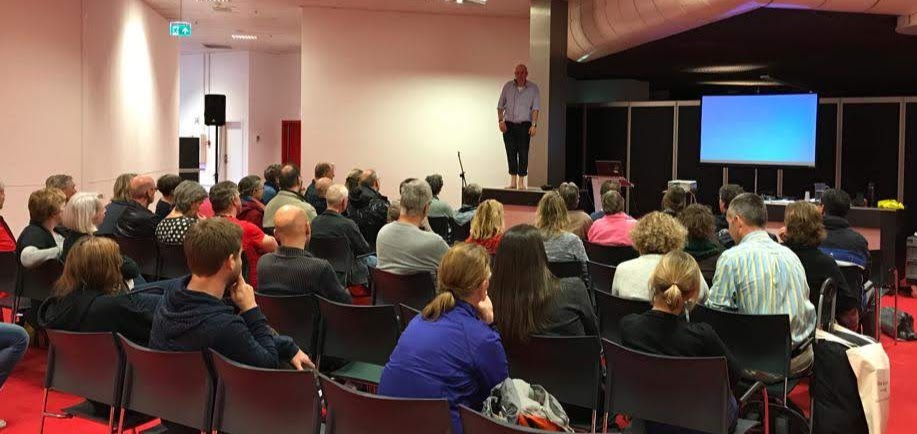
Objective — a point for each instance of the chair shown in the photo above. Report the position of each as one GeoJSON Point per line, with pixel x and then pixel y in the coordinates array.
{"type": "Point", "coordinates": [609, 255]}
{"type": "Point", "coordinates": [172, 262]}
{"type": "Point", "coordinates": [567, 367]}
{"type": "Point", "coordinates": [89, 365]}
{"type": "Point", "coordinates": [255, 400]}
{"type": "Point", "coordinates": [644, 385]}
{"type": "Point", "coordinates": [826, 309]}
{"type": "Point", "coordinates": [362, 335]}
{"type": "Point", "coordinates": [414, 290]}
{"type": "Point", "coordinates": [175, 386]}
{"type": "Point", "coordinates": [337, 252]}
{"type": "Point", "coordinates": [563, 270]}
{"type": "Point", "coordinates": [9, 270]}
{"type": "Point", "coordinates": [476, 423]}
{"type": "Point", "coordinates": [353, 412]}
{"type": "Point", "coordinates": [406, 314]}
{"type": "Point", "coordinates": [142, 251]}
{"type": "Point", "coordinates": [35, 283]}
{"type": "Point", "coordinates": [611, 309]}
{"type": "Point", "coordinates": [296, 316]}
{"type": "Point", "coordinates": [460, 233]}
{"type": "Point", "coordinates": [442, 226]}
{"type": "Point", "coordinates": [601, 276]}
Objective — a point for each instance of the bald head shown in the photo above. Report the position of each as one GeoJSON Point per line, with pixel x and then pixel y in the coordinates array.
{"type": "Point", "coordinates": [291, 226]}
{"type": "Point", "coordinates": [321, 186]}
{"type": "Point", "coordinates": [143, 189]}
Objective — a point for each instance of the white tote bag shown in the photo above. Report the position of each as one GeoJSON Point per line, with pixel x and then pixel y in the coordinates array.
{"type": "Point", "coordinates": [871, 367]}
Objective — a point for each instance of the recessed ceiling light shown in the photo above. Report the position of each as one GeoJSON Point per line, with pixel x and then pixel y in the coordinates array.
{"type": "Point", "coordinates": [480, 2]}
{"type": "Point", "coordinates": [245, 37]}
{"type": "Point", "coordinates": [725, 69]}
{"type": "Point", "coordinates": [740, 83]}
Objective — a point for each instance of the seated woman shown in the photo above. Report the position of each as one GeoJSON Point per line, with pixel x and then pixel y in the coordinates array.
{"type": "Point", "coordinates": [559, 244]}
{"type": "Point", "coordinates": [663, 330]}
{"type": "Point", "coordinates": [674, 201]}
{"type": "Point", "coordinates": [189, 196]}
{"type": "Point", "coordinates": [580, 222]}
{"type": "Point", "coordinates": [614, 228]}
{"type": "Point", "coordinates": [487, 226]}
{"type": "Point", "coordinates": [803, 233]}
{"type": "Point", "coordinates": [450, 350]}
{"type": "Point", "coordinates": [38, 242]}
{"type": "Point", "coordinates": [251, 189]}
{"type": "Point", "coordinates": [654, 235]}
{"type": "Point", "coordinates": [702, 244]}
{"type": "Point", "coordinates": [528, 299]}
{"type": "Point", "coordinates": [82, 216]}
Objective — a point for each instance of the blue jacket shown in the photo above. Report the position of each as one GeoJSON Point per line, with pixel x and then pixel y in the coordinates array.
{"type": "Point", "coordinates": [456, 357]}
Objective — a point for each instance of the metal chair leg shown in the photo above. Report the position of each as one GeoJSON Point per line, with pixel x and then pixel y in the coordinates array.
{"type": "Point", "coordinates": [111, 418]}
{"type": "Point", "coordinates": [594, 417]}
{"type": "Point", "coordinates": [44, 407]}
{"type": "Point", "coordinates": [605, 422]}
{"type": "Point", "coordinates": [121, 421]}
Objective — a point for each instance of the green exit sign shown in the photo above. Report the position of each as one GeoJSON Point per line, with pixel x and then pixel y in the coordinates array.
{"type": "Point", "coordinates": [180, 28]}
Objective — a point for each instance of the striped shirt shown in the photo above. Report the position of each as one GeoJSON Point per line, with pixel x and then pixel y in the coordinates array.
{"type": "Point", "coordinates": [759, 276]}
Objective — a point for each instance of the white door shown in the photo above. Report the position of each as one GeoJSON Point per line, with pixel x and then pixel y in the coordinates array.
{"type": "Point", "coordinates": [234, 152]}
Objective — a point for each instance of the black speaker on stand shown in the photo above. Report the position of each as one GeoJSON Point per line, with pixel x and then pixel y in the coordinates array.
{"type": "Point", "coordinates": [215, 114]}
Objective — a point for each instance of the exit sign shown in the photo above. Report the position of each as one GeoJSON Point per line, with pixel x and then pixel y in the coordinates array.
{"type": "Point", "coordinates": [180, 28]}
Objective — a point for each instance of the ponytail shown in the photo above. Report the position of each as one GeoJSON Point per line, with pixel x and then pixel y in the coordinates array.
{"type": "Point", "coordinates": [673, 297]}
{"type": "Point", "coordinates": [444, 302]}
{"type": "Point", "coordinates": [676, 280]}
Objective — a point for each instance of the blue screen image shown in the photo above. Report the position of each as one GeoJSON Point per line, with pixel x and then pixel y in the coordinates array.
{"type": "Point", "coordinates": [760, 129]}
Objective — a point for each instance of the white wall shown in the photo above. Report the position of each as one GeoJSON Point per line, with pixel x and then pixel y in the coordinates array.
{"type": "Point", "coordinates": [275, 97]}
{"type": "Point", "coordinates": [403, 92]}
{"type": "Point", "coordinates": [93, 93]}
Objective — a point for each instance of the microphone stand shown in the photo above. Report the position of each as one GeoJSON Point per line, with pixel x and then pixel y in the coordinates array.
{"type": "Point", "coordinates": [462, 174]}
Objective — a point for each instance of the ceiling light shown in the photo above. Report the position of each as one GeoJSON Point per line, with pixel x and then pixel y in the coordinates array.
{"type": "Point", "coordinates": [480, 2]}
{"type": "Point", "coordinates": [245, 37]}
{"type": "Point", "coordinates": [740, 83]}
{"type": "Point", "coordinates": [725, 69]}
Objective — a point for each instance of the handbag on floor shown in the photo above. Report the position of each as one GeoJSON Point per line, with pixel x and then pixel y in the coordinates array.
{"type": "Point", "coordinates": [904, 322]}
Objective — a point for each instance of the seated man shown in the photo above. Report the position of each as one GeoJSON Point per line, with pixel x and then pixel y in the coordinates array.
{"type": "Point", "coordinates": [324, 177]}
{"type": "Point", "coordinates": [367, 207]}
{"type": "Point", "coordinates": [63, 183]}
{"type": "Point", "coordinates": [759, 276]}
{"type": "Point", "coordinates": [293, 270]}
{"type": "Point", "coordinates": [166, 185]}
{"type": "Point", "coordinates": [7, 239]}
{"type": "Point", "coordinates": [331, 224]}
{"type": "Point", "coordinates": [728, 192]}
{"type": "Point", "coordinates": [841, 242]}
{"type": "Point", "coordinates": [471, 198]}
{"type": "Point", "coordinates": [137, 221]}
{"type": "Point", "coordinates": [438, 208]}
{"type": "Point", "coordinates": [606, 186]}
{"type": "Point", "coordinates": [402, 247]}
{"type": "Point", "coordinates": [290, 194]}
{"type": "Point", "coordinates": [227, 202]}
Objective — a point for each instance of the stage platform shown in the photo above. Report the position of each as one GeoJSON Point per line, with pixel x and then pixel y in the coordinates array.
{"type": "Point", "coordinates": [519, 206]}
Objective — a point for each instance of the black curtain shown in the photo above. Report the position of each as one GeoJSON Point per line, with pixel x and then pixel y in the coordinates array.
{"type": "Point", "coordinates": [650, 156]}
{"type": "Point", "coordinates": [796, 181]}
{"type": "Point", "coordinates": [708, 176]}
{"type": "Point", "coordinates": [869, 152]}
{"type": "Point", "coordinates": [574, 145]}
{"type": "Point", "coordinates": [910, 167]}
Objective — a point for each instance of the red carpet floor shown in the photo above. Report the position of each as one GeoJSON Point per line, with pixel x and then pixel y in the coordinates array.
{"type": "Point", "coordinates": [20, 399]}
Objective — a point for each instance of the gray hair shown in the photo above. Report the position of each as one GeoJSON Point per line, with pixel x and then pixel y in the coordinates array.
{"type": "Point", "coordinates": [78, 213]}
{"type": "Point", "coordinates": [187, 194]}
{"type": "Point", "coordinates": [750, 208]}
{"type": "Point", "coordinates": [336, 194]}
{"type": "Point", "coordinates": [473, 194]}
{"type": "Point", "coordinates": [612, 202]}
{"type": "Point", "coordinates": [415, 195]}
{"type": "Point", "coordinates": [59, 182]}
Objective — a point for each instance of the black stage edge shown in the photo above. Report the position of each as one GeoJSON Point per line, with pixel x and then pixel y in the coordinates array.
{"type": "Point", "coordinates": [528, 197]}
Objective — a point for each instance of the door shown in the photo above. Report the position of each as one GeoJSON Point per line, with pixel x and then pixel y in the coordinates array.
{"type": "Point", "coordinates": [290, 147]}
{"type": "Point", "coordinates": [232, 146]}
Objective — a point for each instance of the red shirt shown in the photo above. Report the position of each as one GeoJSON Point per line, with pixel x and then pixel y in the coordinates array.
{"type": "Point", "coordinates": [251, 245]}
{"type": "Point", "coordinates": [489, 244]}
{"type": "Point", "coordinates": [7, 240]}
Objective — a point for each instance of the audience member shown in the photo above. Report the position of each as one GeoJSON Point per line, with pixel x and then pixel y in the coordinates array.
{"type": "Point", "coordinates": [63, 183]}
{"type": "Point", "coordinates": [352, 182]}
{"type": "Point", "coordinates": [81, 216]}
{"type": "Point", "coordinates": [14, 341]}
{"type": "Point", "coordinates": [552, 221]}
{"type": "Point", "coordinates": [675, 286]}
{"type": "Point", "coordinates": [136, 220]}
{"type": "Point", "coordinates": [226, 204]}
{"type": "Point", "coordinates": [528, 299]}
{"type": "Point", "coordinates": [450, 351]}
{"type": "Point", "coordinates": [120, 200]}
{"type": "Point", "coordinates": [38, 243]}
{"type": "Point", "coordinates": [759, 276]}
{"type": "Point", "coordinates": [674, 200]}
{"type": "Point", "coordinates": [438, 208]}
{"type": "Point", "coordinates": [654, 235]}
{"type": "Point", "coordinates": [251, 188]}
{"type": "Point", "coordinates": [166, 185]}
{"type": "Point", "coordinates": [471, 198]}
{"type": "Point", "coordinates": [331, 224]}
{"type": "Point", "coordinates": [841, 242]}
{"type": "Point", "coordinates": [487, 226]}
{"type": "Point", "coordinates": [702, 244]}
{"type": "Point", "coordinates": [189, 196]}
{"type": "Point", "coordinates": [580, 222]}
{"type": "Point", "coordinates": [7, 239]}
{"type": "Point", "coordinates": [293, 270]}
{"type": "Point", "coordinates": [402, 247]}
{"type": "Point", "coordinates": [607, 186]}
{"type": "Point", "coordinates": [290, 194]}
{"type": "Point", "coordinates": [321, 190]}
{"type": "Point", "coordinates": [613, 229]}
{"type": "Point", "coordinates": [728, 192]}
{"type": "Point", "coordinates": [312, 195]}
{"type": "Point", "coordinates": [803, 233]}
{"type": "Point", "coordinates": [271, 182]}
{"type": "Point", "coordinates": [367, 207]}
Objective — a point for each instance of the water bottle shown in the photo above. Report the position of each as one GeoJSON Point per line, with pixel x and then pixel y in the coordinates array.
{"type": "Point", "coordinates": [871, 194]}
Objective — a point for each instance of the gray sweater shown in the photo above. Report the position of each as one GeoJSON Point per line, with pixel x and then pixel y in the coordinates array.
{"type": "Point", "coordinates": [405, 249]}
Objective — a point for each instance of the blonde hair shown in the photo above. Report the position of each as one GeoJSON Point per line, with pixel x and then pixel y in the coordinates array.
{"type": "Point", "coordinates": [461, 272]}
{"type": "Point", "coordinates": [122, 188]}
{"type": "Point", "coordinates": [93, 263]}
{"type": "Point", "coordinates": [804, 225]}
{"type": "Point", "coordinates": [45, 203]}
{"type": "Point", "coordinates": [658, 233]}
{"type": "Point", "coordinates": [78, 213]}
{"type": "Point", "coordinates": [552, 214]}
{"type": "Point", "coordinates": [488, 220]}
{"type": "Point", "coordinates": [675, 280]}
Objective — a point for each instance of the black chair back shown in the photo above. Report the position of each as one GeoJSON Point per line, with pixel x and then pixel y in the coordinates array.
{"type": "Point", "coordinates": [644, 385]}
{"type": "Point", "coordinates": [172, 261]}
{"type": "Point", "coordinates": [176, 386]}
{"type": "Point", "coordinates": [460, 233]}
{"type": "Point", "coordinates": [414, 290]}
{"type": "Point", "coordinates": [567, 269]}
{"type": "Point", "coordinates": [770, 348]}
{"type": "Point", "coordinates": [353, 412]}
{"type": "Point", "coordinates": [254, 400]}
{"type": "Point", "coordinates": [601, 276]}
{"type": "Point", "coordinates": [337, 252]}
{"type": "Point", "coordinates": [609, 255]}
{"type": "Point", "coordinates": [442, 226]}
{"type": "Point", "coordinates": [296, 316]}
{"type": "Point", "coordinates": [36, 283]}
{"type": "Point", "coordinates": [476, 423]}
{"type": "Point", "coordinates": [567, 367]}
{"type": "Point", "coordinates": [406, 314]}
{"type": "Point", "coordinates": [612, 308]}
{"type": "Point", "coordinates": [9, 269]}
{"type": "Point", "coordinates": [89, 365]}
{"type": "Point", "coordinates": [142, 251]}
{"type": "Point", "coordinates": [358, 333]}
{"type": "Point", "coordinates": [826, 307]}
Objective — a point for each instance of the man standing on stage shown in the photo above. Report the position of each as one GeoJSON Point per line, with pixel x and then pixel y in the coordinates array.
{"type": "Point", "coordinates": [517, 112]}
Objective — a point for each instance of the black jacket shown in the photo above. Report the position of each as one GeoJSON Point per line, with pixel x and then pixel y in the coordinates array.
{"type": "Point", "coordinates": [819, 267]}
{"type": "Point", "coordinates": [311, 196]}
{"type": "Point", "coordinates": [570, 311]}
{"type": "Point", "coordinates": [369, 209]}
{"type": "Point", "coordinates": [129, 268]}
{"type": "Point", "coordinates": [87, 310]}
{"type": "Point", "coordinates": [136, 222]}
{"type": "Point", "coordinates": [843, 243]}
{"type": "Point", "coordinates": [113, 212]}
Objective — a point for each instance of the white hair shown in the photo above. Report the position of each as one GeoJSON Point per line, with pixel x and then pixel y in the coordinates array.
{"type": "Point", "coordinates": [336, 194]}
{"type": "Point", "coordinates": [78, 213]}
{"type": "Point", "coordinates": [415, 195]}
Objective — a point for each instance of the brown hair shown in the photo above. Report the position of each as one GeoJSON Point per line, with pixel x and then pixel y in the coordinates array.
{"type": "Point", "coordinates": [675, 280]}
{"type": "Point", "coordinates": [45, 203]}
{"type": "Point", "coordinates": [92, 263]}
{"type": "Point", "coordinates": [122, 188]}
{"type": "Point", "coordinates": [804, 225]}
{"type": "Point", "coordinates": [658, 233]}
{"type": "Point", "coordinates": [610, 185]}
{"type": "Point", "coordinates": [487, 221]}
{"type": "Point", "coordinates": [674, 199]}
{"type": "Point", "coordinates": [460, 273]}
{"type": "Point", "coordinates": [612, 202]}
{"type": "Point", "coordinates": [552, 214]}
{"type": "Point", "coordinates": [570, 192]}
{"type": "Point", "coordinates": [698, 220]}
{"type": "Point", "coordinates": [209, 243]}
